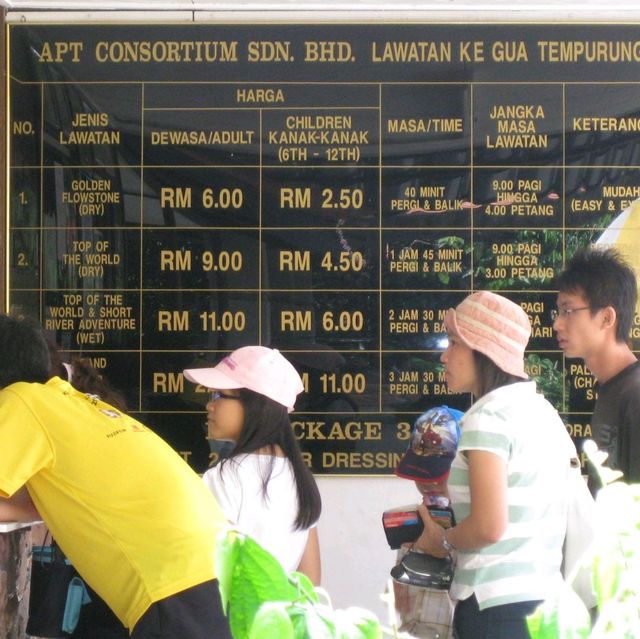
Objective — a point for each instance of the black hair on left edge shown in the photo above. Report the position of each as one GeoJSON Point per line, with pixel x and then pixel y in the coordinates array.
{"type": "Point", "coordinates": [24, 351]}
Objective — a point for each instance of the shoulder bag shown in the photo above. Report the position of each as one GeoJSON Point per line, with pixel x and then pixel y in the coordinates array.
{"type": "Point", "coordinates": [56, 595]}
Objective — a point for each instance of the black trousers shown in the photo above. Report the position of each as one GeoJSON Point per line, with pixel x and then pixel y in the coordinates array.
{"type": "Point", "coordinates": [97, 621]}
{"type": "Point", "coordinates": [195, 613]}
{"type": "Point", "coordinates": [498, 622]}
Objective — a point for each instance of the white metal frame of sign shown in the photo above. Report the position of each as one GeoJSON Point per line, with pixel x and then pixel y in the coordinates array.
{"type": "Point", "coordinates": [330, 10]}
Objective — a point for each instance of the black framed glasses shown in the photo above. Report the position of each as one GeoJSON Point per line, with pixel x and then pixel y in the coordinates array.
{"type": "Point", "coordinates": [216, 395]}
{"type": "Point", "coordinates": [566, 312]}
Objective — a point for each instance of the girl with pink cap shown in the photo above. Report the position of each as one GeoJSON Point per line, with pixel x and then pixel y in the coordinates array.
{"type": "Point", "coordinates": [506, 480]}
{"type": "Point", "coordinates": [264, 486]}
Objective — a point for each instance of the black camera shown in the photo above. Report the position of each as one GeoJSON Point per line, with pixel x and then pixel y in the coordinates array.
{"type": "Point", "coordinates": [423, 570]}
{"type": "Point", "coordinates": [404, 525]}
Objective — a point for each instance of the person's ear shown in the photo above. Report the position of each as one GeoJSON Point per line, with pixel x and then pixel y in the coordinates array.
{"type": "Point", "coordinates": [609, 317]}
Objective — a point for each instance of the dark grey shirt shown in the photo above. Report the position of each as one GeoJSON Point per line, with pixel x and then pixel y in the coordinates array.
{"type": "Point", "coordinates": [616, 421]}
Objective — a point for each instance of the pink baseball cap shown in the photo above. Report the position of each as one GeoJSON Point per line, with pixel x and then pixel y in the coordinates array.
{"type": "Point", "coordinates": [494, 326]}
{"type": "Point", "coordinates": [258, 368]}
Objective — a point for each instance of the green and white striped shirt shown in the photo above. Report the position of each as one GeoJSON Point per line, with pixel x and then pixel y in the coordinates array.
{"type": "Point", "coordinates": [520, 426]}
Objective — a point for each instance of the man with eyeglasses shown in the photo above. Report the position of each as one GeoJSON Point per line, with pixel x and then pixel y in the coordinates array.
{"type": "Point", "coordinates": [597, 294]}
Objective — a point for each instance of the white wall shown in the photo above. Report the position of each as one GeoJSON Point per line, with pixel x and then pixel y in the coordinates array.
{"type": "Point", "coordinates": [356, 559]}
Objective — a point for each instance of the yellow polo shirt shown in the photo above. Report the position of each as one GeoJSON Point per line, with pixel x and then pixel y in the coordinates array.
{"type": "Point", "coordinates": [137, 523]}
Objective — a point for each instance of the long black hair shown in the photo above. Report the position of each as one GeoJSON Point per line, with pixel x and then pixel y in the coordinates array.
{"type": "Point", "coordinates": [267, 426]}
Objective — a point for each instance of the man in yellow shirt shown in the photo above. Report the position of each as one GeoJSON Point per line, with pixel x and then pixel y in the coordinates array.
{"type": "Point", "coordinates": [137, 523]}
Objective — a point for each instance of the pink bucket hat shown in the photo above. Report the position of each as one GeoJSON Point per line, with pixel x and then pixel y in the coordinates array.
{"type": "Point", "coordinates": [494, 326]}
{"type": "Point", "coordinates": [260, 369]}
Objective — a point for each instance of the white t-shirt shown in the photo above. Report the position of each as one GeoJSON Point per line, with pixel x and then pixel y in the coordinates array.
{"type": "Point", "coordinates": [237, 485]}
{"type": "Point", "coordinates": [520, 426]}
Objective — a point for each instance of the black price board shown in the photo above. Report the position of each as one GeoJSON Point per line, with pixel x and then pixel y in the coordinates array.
{"type": "Point", "coordinates": [178, 191]}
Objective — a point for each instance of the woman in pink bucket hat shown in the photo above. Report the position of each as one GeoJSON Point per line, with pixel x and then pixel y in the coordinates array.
{"type": "Point", "coordinates": [506, 478]}
{"type": "Point", "coordinates": [264, 486]}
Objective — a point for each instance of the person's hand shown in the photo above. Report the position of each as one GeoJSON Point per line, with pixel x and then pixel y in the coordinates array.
{"type": "Point", "coordinates": [430, 541]}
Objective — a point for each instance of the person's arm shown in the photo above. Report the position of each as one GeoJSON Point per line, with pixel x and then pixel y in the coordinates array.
{"type": "Point", "coordinates": [18, 507]}
{"type": "Point", "coordinates": [488, 518]}
{"type": "Point", "coordinates": [310, 561]}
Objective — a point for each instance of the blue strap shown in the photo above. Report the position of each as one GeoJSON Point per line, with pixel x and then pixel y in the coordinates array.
{"type": "Point", "coordinates": [77, 596]}
{"type": "Point", "coordinates": [43, 554]}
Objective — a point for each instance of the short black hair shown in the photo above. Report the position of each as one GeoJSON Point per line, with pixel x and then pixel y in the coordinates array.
{"type": "Point", "coordinates": [604, 278]}
{"type": "Point", "coordinates": [25, 354]}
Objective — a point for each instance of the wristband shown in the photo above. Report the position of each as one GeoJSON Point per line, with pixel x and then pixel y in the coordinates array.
{"type": "Point", "coordinates": [446, 544]}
